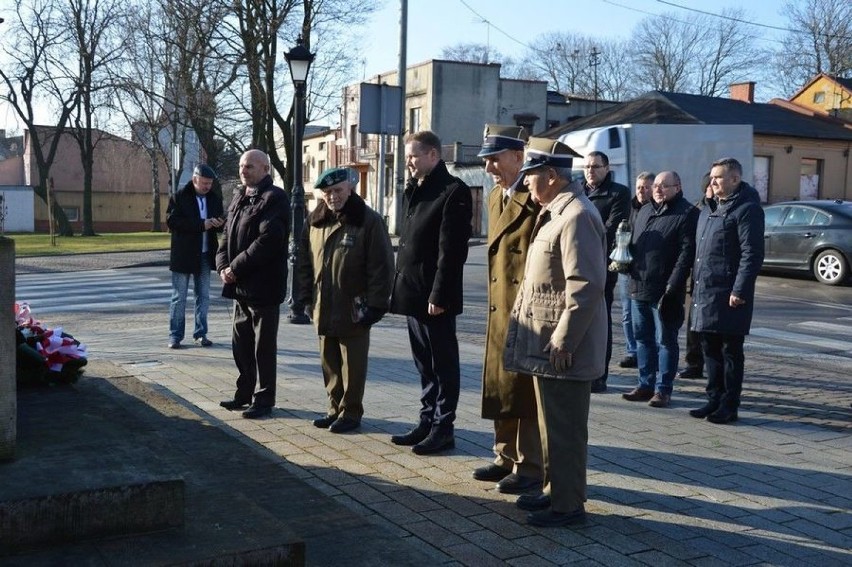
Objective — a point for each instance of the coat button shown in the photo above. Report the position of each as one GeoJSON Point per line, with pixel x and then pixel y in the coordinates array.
{"type": "Point", "coordinates": [493, 279]}
{"type": "Point", "coordinates": [492, 309]}
{"type": "Point", "coordinates": [515, 281]}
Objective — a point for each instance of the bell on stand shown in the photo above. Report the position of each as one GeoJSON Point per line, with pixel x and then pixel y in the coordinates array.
{"type": "Point", "coordinates": [621, 256]}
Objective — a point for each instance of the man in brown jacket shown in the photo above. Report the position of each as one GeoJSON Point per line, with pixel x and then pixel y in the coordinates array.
{"type": "Point", "coordinates": [345, 272]}
{"type": "Point", "coordinates": [507, 397]}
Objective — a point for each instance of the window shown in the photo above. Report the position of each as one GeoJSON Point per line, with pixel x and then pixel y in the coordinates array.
{"type": "Point", "coordinates": [321, 146]}
{"type": "Point", "coordinates": [614, 138]}
{"type": "Point", "coordinates": [809, 175]}
{"type": "Point", "coordinates": [772, 216]}
{"type": "Point", "coordinates": [821, 219]}
{"type": "Point", "coordinates": [799, 216]}
{"type": "Point", "coordinates": [762, 167]}
{"type": "Point", "coordinates": [321, 166]}
{"type": "Point", "coordinates": [819, 97]}
{"type": "Point", "coordinates": [414, 119]}
{"type": "Point", "coordinates": [72, 213]}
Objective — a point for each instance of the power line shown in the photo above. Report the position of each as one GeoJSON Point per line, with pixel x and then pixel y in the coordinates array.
{"type": "Point", "coordinates": [487, 22]}
{"type": "Point", "coordinates": [756, 24]}
{"type": "Point", "coordinates": [684, 22]}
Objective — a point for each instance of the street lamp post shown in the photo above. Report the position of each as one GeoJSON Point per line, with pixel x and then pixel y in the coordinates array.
{"type": "Point", "coordinates": [299, 59]}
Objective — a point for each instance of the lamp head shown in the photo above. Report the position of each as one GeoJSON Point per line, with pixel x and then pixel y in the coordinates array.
{"type": "Point", "coordinates": [299, 59]}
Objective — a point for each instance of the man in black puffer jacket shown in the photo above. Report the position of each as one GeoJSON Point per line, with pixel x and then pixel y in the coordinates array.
{"type": "Point", "coordinates": [612, 200]}
{"type": "Point", "coordinates": [663, 248]}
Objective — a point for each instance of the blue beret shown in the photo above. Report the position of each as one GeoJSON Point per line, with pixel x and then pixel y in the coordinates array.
{"type": "Point", "coordinates": [204, 170]}
{"type": "Point", "coordinates": [335, 175]}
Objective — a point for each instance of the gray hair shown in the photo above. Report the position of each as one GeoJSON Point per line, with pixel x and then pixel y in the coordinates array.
{"type": "Point", "coordinates": [645, 176]}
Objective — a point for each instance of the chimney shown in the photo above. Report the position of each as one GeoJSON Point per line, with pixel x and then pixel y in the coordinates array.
{"type": "Point", "coordinates": [743, 91]}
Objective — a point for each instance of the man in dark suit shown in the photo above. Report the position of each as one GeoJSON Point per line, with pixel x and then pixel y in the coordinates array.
{"type": "Point", "coordinates": [194, 216]}
{"type": "Point", "coordinates": [433, 239]}
{"type": "Point", "coordinates": [252, 263]}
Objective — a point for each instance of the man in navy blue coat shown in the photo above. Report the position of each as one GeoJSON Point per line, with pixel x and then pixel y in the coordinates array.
{"type": "Point", "coordinates": [729, 253]}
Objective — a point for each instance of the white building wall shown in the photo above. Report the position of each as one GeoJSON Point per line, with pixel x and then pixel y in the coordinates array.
{"type": "Point", "coordinates": [17, 209]}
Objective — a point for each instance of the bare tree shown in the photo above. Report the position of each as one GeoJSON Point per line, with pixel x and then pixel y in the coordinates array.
{"type": "Point", "coordinates": [819, 40]}
{"type": "Point", "coordinates": [99, 42]}
{"type": "Point", "coordinates": [482, 53]}
{"type": "Point", "coordinates": [36, 38]}
{"type": "Point", "coordinates": [561, 59]}
{"type": "Point", "coordinates": [471, 53]}
{"type": "Point", "coordinates": [699, 54]}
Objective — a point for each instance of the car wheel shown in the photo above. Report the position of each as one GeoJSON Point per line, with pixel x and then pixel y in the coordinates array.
{"type": "Point", "coordinates": [830, 267]}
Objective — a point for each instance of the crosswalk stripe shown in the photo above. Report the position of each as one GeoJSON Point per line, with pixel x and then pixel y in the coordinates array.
{"type": "Point", "coordinates": [96, 290]}
{"type": "Point", "coordinates": [803, 339]}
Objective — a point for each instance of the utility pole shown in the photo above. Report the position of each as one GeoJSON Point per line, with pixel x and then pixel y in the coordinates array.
{"type": "Point", "coordinates": [594, 62]}
{"type": "Point", "coordinates": [400, 140]}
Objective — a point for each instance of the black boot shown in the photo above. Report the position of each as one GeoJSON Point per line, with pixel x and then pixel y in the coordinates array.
{"type": "Point", "coordinates": [599, 386]}
{"type": "Point", "coordinates": [440, 438]}
{"type": "Point", "coordinates": [704, 410]}
{"type": "Point", "coordinates": [415, 436]}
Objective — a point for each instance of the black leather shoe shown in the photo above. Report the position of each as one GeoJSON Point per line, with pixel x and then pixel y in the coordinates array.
{"type": "Point", "coordinates": [599, 386]}
{"type": "Point", "coordinates": [203, 341]}
{"type": "Point", "coordinates": [324, 422]}
{"type": "Point", "coordinates": [550, 519]}
{"type": "Point", "coordinates": [174, 345]}
{"type": "Point", "coordinates": [255, 412]}
{"type": "Point", "coordinates": [439, 439]}
{"type": "Point", "coordinates": [703, 411]}
{"type": "Point", "coordinates": [515, 484]}
{"type": "Point", "coordinates": [414, 436]}
{"type": "Point", "coordinates": [723, 415]}
{"type": "Point", "coordinates": [344, 424]}
{"type": "Point", "coordinates": [533, 502]}
{"type": "Point", "coordinates": [232, 405]}
{"type": "Point", "coordinates": [628, 361]}
{"type": "Point", "coordinates": [491, 473]}
{"type": "Point", "coordinates": [690, 373]}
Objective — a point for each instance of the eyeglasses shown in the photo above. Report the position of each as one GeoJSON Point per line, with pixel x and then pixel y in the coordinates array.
{"type": "Point", "coordinates": [664, 186]}
{"type": "Point", "coordinates": [594, 166]}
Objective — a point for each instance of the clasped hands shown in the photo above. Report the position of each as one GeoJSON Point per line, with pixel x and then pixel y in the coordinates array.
{"type": "Point", "coordinates": [560, 359]}
{"type": "Point", "coordinates": [228, 276]}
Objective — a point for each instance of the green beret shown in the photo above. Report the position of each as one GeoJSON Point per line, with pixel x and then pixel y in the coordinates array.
{"type": "Point", "coordinates": [335, 175]}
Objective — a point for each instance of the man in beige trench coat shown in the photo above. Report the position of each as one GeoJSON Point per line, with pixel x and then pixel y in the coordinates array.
{"type": "Point", "coordinates": [507, 397]}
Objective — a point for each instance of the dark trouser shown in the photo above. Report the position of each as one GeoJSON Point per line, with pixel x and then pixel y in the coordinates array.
{"type": "Point", "coordinates": [724, 362]}
{"type": "Point", "coordinates": [609, 295]}
{"type": "Point", "coordinates": [694, 356]}
{"type": "Point", "coordinates": [563, 419]}
{"type": "Point", "coordinates": [254, 342]}
{"type": "Point", "coordinates": [344, 370]}
{"type": "Point", "coordinates": [436, 355]}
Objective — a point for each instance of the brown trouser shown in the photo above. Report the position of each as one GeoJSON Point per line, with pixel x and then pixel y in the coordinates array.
{"type": "Point", "coordinates": [563, 414]}
{"type": "Point", "coordinates": [344, 370]}
{"type": "Point", "coordinates": [517, 444]}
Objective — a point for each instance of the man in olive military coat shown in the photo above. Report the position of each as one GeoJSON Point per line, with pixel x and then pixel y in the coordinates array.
{"type": "Point", "coordinates": [508, 398]}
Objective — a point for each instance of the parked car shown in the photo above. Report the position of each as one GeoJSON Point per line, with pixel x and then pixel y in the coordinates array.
{"type": "Point", "coordinates": [813, 236]}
